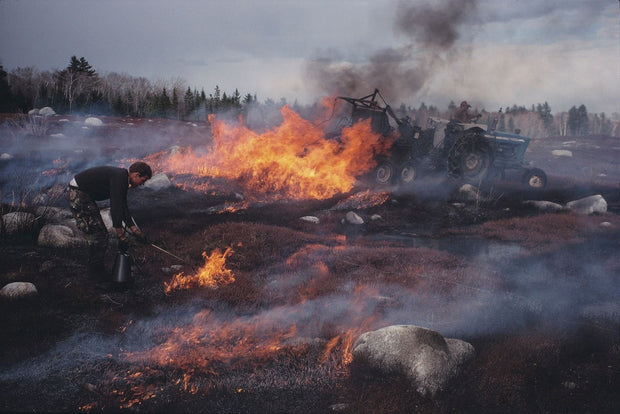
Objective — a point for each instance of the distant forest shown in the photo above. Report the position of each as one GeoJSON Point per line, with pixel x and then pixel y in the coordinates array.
{"type": "Point", "coordinates": [79, 89]}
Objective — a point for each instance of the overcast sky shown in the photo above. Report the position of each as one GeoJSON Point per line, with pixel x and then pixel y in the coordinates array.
{"type": "Point", "coordinates": [491, 52]}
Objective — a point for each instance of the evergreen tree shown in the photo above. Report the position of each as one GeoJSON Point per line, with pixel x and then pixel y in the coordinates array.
{"type": "Point", "coordinates": [76, 83]}
{"type": "Point", "coordinates": [174, 104]}
{"type": "Point", "coordinates": [544, 111]}
{"type": "Point", "coordinates": [161, 104]}
{"type": "Point", "coordinates": [247, 99]}
{"type": "Point", "coordinates": [451, 108]}
{"type": "Point", "coordinates": [584, 123]}
{"type": "Point", "coordinates": [216, 100]}
{"type": "Point", "coordinates": [237, 99]}
{"type": "Point", "coordinates": [6, 97]}
{"type": "Point", "coordinates": [572, 122]}
{"type": "Point", "coordinates": [189, 102]}
{"type": "Point", "coordinates": [81, 65]}
{"type": "Point", "coordinates": [501, 125]}
{"type": "Point", "coordinates": [577, 122]}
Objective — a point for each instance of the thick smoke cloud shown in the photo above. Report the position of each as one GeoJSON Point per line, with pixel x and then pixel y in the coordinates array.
{"type": "Point", "coordinates": [433, 25]}
{"type": "Point", "coordinates": [430, 30]}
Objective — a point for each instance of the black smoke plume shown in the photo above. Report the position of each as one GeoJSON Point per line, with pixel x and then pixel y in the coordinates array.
{"type": "Point", "coordinates": [431, 31]}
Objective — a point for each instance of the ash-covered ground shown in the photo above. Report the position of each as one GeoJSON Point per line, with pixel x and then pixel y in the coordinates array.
{"type": "Point", "coordinates": [534, 292]}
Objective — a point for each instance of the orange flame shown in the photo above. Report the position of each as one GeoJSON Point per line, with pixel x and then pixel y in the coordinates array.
{"type": "Point", "coordinates": [294, 160]}
{"type": "Point", "coordinates": [214, 273]}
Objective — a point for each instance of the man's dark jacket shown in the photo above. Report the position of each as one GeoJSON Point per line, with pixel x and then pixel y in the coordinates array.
{"type": "Point", "coordinates": [102, 183]}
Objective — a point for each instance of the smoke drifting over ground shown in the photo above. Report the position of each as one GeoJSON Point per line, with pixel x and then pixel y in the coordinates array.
{"type": "Point", "coordinates": [430, 30]}
{"type": "Point", "coordinates": [503, 289]}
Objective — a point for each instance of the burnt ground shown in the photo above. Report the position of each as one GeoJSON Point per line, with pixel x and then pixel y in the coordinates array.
{"type": "Point", "coordinates": [535, 293]}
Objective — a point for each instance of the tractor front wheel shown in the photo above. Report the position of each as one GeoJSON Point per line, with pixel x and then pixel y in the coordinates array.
{"type": "Point", "coordinates": [534, 178]}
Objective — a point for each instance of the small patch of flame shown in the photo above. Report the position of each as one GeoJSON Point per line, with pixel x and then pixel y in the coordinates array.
{"type": "Point", "coordinates": [214, 273]}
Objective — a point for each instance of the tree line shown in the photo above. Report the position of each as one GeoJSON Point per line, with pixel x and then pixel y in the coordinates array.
{"type": "Point", "coordinates": [78, 88]}
{"type": "Point", "coordinates": [537, 121]}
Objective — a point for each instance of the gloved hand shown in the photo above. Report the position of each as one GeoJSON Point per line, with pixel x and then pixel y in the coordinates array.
{"type": "Point", "coordinates": [123, 243]}
{"type": "Point", "coordinates": [140, 237]}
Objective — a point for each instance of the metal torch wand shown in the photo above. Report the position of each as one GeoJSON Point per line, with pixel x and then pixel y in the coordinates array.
{"type": "Point", "coordinates": [168, 253]}
{"type": "Point", "coordinates": [161, 249]}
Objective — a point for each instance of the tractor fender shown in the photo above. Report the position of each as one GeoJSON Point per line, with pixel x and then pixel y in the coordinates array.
{"type": "Point", "coordinates": [475, 130]}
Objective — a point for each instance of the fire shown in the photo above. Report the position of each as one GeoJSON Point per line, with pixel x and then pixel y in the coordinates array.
{"type": "Point", "coordinates": [345, 353]}
{"type": "Point", "coordinates": [294, 160]}
{"type": "Point", "coordinates": [198, 352]}
{"type": "Point", "coordinates": [214, 273]}
{"type": "Point", "coordinates": [60, 168]}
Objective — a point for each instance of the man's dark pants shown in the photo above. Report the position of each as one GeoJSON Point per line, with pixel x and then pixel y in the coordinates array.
{"type": "Point", "coordinates": [88, 219]}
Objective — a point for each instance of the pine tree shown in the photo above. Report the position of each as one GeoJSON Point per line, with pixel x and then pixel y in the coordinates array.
{"type": "Point", "coordinates": [237, 99]}
{"type": "Point", "coordinates": [578, 123]}
{"type": "Point", "coordinates": [247, 99]}
{"type": "Point", "coordinates": [77, 82]}
{"type": "Point", "coordinates": [544, 111]}
{"type": "Point", "coordinates": [6, 98]}
{"type": "Point", "coordinates": [188, 100]}
{"type": "Point", "coordinates": [501, 126]}
{"type": "Point", "coordinates": [174, 104]}
{"type": "Point", "coordinates": [584, 124]}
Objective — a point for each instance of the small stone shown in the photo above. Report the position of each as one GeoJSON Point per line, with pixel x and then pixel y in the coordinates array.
{"type": "Point", "coordinates": [569, 385]}
{"type": "Point", "coordinates": [17, 290]}
{"type": "Point", "coordinates": [353, 218]}
{"type": "Point", "coordinates": [562, 153]}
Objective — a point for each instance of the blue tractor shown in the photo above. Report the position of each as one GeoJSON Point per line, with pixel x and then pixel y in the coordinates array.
{"type": "Point", "coordinates": [468, 152]}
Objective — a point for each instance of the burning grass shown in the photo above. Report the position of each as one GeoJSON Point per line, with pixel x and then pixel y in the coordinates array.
{"type": "Point", "coordinates": [294, 160]}
{"type": "Point", "coordinates": [213, 274]}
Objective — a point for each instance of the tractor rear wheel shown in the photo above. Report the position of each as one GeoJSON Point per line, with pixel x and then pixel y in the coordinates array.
{"type": "Point", "coordinates": [407, 175]}
{"type": "Point", "coordinates": [470, 158]}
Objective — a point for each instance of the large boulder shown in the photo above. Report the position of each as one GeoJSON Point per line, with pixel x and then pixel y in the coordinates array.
{"type": "Point", "coordinates": [17, 221]}
{"type": "Point", "coordinates": [54, 214]}
{"type": "Point", "coordinates": [588, 205]}
{"type": "Point", "coordinates": [428, 359]}
{"type": "Point", "coordinates": [158, 182]}
{"type": "Point", "coordinates": [58, 235]}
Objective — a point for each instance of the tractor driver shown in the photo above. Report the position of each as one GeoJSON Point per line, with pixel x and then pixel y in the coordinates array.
{"type": "Point", "coordinates": [461, 114]}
